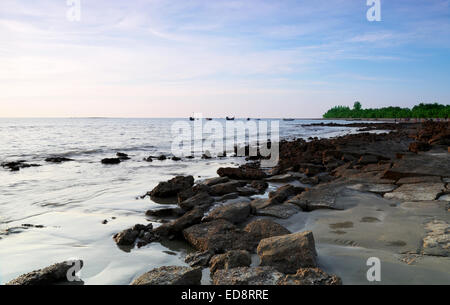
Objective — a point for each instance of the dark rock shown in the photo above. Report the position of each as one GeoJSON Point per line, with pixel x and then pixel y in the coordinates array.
{"type": "Point", "coordinates": [199, 200]}
{"type": "Point", "coordinates": [172, 187]}
{"type": "Point", "coordinates": [234, 212]}
{"type": "Point", "coordinates": [264, 228]}
{"type": "Point", "coordinates": [246, 191]}
{"type": "Point", "coordinates": [224, 188]}
{"type": "Point", "coordinates": [176, 159]}
{"type": "Point", "coordinates": [261, 186]}
{"type": "Point", "coordinates": [17, 165]}
{"type": "Point", "coordinates": [170, 275]}
{"type": "Point", "coordinates": [216, 180]}
{"type": "Point", "coordinates": [128, 237]}
{"type": "Point", "coordinates": [111, 161]}
{"type": "Point", "coordinates": [230, 259]}
{"type": "Point", "coordinates": [148, 159]}
{"type": "Point", "coordinates": [218, 236]}
{"type": "Point", "coordinates": [241, 173]}
{"type": "Point", "coordinates": [228, 197]}
{"type": "Point", "coordinates": [162, 158]}
{"type": "Point", "coordinates": [53, 274]}
{"type": "Point", "coordinates": [175, 227]}
{"type": "Point", "coordinates": [167, 212]}
{"type": "Point", "coordinates": [310, 276]}
{"type": "Point", "coordinates": [122, 156]}
{"type": "Point", "coordinates": [57, 159]}
{"type": "Point", "coordinates": [288, 253]}
{"type": "Point", "coordinates": [282, 211]}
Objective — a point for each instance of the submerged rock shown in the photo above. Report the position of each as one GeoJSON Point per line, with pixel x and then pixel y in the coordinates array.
{"type": "Point", "coordinates": [53, 274]}
{"type": "Point", "coordinates": [378, 188]}
{"type": "Point", "coordinates": [57, 159]}
{"type": "Point", "coordinates": [288, 253]}
{"type": "Point", "coordinates": [230, 259]}
{"type": "Point", "coordinates": [111, 161]}
{"type": "Point", "coordinates": [122, 156]}
{"type": "Point", "coordinates": [17, 165]}
{"type": "Point", "coordinates": [166, 212]}
{"type": "Point", "coordinates": [170, 275]}
{"type": "Point", "coordinates": [247, 276]}
{"type": "Point", "coordinates": [172, 187]}
{"type": "Point", "coordinates": [310, 276]}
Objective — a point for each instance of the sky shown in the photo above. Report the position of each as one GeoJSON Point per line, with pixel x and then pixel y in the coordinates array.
{"type": "Point", "coordinates": [247, 58]}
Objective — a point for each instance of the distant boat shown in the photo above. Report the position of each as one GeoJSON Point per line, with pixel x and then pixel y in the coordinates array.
{"type": "Point", "coordinates": [248, 119]}
{"type": "Point", "coordinates": [191, 119]}
{"type": "Point", "coordinates": [288, 119]}
{"type": "Point", "coordinates": [208, 119]}
{"type": "Point", "coordinates": [230, 119]}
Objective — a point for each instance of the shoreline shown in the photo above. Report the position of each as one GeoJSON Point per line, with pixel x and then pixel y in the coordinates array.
{"type": "Point", "coordinates": [317, 180]}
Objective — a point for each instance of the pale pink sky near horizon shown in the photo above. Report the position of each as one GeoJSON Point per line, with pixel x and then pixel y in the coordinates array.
{"type": "Point", "coordinates": [255, 58]}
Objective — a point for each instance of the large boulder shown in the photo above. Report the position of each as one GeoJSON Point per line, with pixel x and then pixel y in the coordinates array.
{"type": "Point", "coordinates": [170, 275]}
{"type": "Point", "coordinates": [264, 228]}
{"type": "Point", "coordinates": [202, 200]}
{"type": "Point", "coordinates": [230, 259]}
{"type": "Point", "coordinates": [53, 274]}
{"type": "Point", "coordinates": [110, 161]}
{"type": "Point", "coordinates": [310, 276]}
{"type": "Point", "coordinates": [288, 253]}
{"type": "Point", "coordinates": [244, 173]}
{"type": "Point", "coordinates": [247, 276]}
{"type": "Point", "coordinates": [233, 212]}
{"type": "Point", "coordinates": [218, 236]}
{"type": "Point", "coordinates": [175, 227]}
{"type": "Point", "coordinates": [172, 187]}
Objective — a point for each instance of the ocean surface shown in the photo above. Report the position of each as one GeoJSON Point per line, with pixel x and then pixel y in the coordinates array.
{"type": "Point", "coordinates": [72, 199]}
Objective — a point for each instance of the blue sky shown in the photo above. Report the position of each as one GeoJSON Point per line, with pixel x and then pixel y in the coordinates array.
{"type": "Point", "coordinates": [245, 58]}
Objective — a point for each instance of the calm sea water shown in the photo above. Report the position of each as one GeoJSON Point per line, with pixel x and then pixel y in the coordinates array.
{"type": "Point", "coordinates": [72, 199]}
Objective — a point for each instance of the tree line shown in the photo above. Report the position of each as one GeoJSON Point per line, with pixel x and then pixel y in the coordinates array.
{"type": "Point", "coordinates": [419, 111]}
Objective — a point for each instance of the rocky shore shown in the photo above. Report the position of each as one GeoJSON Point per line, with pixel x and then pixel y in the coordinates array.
{"type": "Point", "coordinates": [383, 191]}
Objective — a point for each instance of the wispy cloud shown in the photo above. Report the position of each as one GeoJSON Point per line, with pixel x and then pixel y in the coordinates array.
{"type": "Point", "coordinates": [278, 52]}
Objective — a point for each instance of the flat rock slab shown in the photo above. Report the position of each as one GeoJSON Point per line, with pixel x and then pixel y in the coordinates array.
{"type": "Point", "coordinates": [170, 275]}
{"type": "Point", "coordinates": [378, 188]}
{"type": "Point", "coordinates": [319, 197]}
{"type": "Point", "coordinates": [423, 164]}
{"type": "Point", "coordinates": [286, 177]}
{"type": "Point", "coordinates": [282, 211]}
{"type": "Point", "coordinates": [416, 192]}
{"type": "Point", "coordinates": [247, 276]}
{"type": "Point", "coordinates": [234, 212]}
{"type": "Point", "coordinates": [437, 240]}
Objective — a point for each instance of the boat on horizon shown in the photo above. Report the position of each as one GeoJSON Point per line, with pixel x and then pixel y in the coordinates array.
{"type": "Point", "coordinates": [288, 120]}
{"type": "Point", "coordinates": [229, 119]}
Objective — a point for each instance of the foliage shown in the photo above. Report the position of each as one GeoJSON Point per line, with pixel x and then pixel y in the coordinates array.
{"type": "Point", "coordinates": [419, 111]}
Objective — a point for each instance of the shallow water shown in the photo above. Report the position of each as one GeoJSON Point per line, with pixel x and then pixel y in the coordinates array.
{"type": "Point", "coordinates": [71, 200]}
